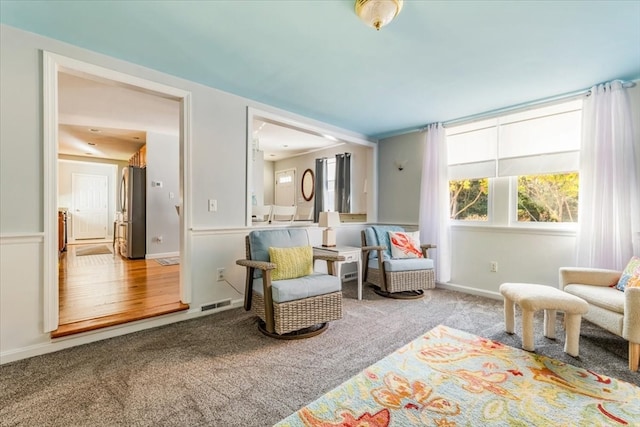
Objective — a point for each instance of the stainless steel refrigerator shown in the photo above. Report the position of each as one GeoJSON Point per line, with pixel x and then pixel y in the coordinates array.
{"type": "Point", "coordinates": [133, 205]}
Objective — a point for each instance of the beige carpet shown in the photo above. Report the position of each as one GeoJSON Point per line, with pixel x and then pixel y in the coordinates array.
{"type": "Point", "coordinates": [93, 250]}
{"type": "Point", "coordinates": [219, 370]}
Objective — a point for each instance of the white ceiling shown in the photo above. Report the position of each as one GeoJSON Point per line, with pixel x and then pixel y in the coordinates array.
{"type": "Point", "coordinates": [99, 119]}
{"type": "Point", "coordinates": [437, 61]}
{"type": "Point", "coordinates": [99, 142]}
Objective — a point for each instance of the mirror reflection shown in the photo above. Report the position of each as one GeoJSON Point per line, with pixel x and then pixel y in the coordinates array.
{"type": "Point", "coordinates": [313, 171]}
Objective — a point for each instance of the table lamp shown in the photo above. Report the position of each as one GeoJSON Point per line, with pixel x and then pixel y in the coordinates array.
{"type": "Point", "coordinates": [329, 220]}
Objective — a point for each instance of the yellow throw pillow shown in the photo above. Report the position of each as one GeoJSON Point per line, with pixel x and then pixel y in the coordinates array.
{"type": "Point", "coordinates": [291, 262]}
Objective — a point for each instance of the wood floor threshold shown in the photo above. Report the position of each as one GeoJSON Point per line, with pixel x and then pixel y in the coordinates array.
{"type": "Point", "coordinates": [116, 319]}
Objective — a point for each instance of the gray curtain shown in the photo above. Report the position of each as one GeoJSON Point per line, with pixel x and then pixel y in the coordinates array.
{"type": "Point", "coordinates": [319, 187]}
{"type": "Point", "coordinates": [343, 182]}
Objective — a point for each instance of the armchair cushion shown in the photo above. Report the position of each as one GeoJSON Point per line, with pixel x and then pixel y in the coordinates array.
{"type": "Point", "coordinates": [408, 264]}
{"type": "Point", "coordinates": [601, 296]}
{"type": "Point", "coordinates": [291, 262]}
{"type": "Point", "coordinates": [404, 264]}
{"type": "Point", "coordinates": [261, 240]}
{"type": "Point", "coordinates": [303, 287]}
{"type": "Point", "coordinates": [630, 275]}
{"type": "Point", "coordinates": [405, 244]}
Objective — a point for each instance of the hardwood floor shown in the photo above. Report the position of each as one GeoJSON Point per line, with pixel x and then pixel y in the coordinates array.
{"type": "Point", "coordinates": [103, 290]}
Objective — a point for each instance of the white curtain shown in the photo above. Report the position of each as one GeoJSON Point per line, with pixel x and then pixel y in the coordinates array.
{"type": "Point", "coordinates": [434, 200]}
{"type": "Point", "coordinates": [609, 213]}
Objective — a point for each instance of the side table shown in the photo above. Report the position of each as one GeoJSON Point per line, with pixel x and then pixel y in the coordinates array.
{"type": "Point", "coordinates": [350, 253]}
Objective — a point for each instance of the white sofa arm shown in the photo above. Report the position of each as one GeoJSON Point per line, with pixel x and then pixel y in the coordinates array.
{"type": "Point", "coordinates": [631, 325]}
{"type": "Point", "coordinates": [588, 276]}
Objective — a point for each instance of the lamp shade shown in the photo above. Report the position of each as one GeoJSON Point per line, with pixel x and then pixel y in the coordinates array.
{"type": "Point", "coordinates": [377, 13]}
{"type": "Point", "coordinates": [329, 219]}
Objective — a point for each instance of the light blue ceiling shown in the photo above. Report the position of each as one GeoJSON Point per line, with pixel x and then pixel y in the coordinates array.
{"type": "Point", "coordinates": [437, 61]}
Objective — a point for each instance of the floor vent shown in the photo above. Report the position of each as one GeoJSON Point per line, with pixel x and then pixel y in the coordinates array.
{"type": "Point", "coordinates": [215, 305]}
{"type": "Point", "coordinates": [350, 276]}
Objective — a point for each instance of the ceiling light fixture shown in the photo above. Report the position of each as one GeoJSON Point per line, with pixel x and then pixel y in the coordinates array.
{"type": "Point", "coordinates": [378, 13]}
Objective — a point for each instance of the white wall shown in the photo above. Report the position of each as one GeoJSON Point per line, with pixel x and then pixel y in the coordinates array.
{"type": "Point", "coordinates": [522, 255]}
{"type": "Point", "coordinates": [360, 157]}
{"type": "Point", "coordinates": [399, 191]}
{"type": "Point", "coordinates": [268, 182]}
{"type": "Point", "coordinates": [217, 171]}
{"type": "Point", "coordinates": [257, 193]}
{"type": "Point", "coordinates": [163, 165]}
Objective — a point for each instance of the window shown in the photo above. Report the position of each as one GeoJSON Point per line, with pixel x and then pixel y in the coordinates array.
{"type": "Point", "coordinates": [469, 199]}
{"type": "Point", "coordinates": [330, 193]}
{"type": "Point", "coordinates": [535, 151]}
{"type": "Point", "coordinates": [548, 198]}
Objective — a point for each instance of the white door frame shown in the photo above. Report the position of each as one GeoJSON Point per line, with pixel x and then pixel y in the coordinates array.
{"type": "Point", "coordinates": [51, 64]}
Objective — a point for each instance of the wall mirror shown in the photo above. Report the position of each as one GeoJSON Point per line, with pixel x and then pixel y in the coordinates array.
{"type": "Point", "coordinates": [279, 146]}
{"type": "Point", "coordinates": [307, 185]}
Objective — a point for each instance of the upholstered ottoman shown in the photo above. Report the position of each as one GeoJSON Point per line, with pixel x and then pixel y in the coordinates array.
{"type": "Point", "coordinates": [532, 298]}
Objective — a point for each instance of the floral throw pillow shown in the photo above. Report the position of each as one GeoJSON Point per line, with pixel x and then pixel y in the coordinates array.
{"type": "Point", "coordinates": [630, 275]}
{"type": "Point", "coordinates": [405, 245]}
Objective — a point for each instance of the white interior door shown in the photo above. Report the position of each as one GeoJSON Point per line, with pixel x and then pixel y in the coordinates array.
{"type": "Point", "coordinates": [89, 212]}
{"type": "Point", "coordinates": [285, 187]}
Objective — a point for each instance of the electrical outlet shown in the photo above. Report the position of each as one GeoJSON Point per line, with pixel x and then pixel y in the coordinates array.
{"type": "Point", "coordinates": [159, 239]}
{"type": "Point", "coordinates": [220, 274]}
{"type": "Point", "coordinates": [494, 266]}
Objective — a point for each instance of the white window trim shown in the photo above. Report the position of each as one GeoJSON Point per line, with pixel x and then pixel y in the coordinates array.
{"type": "Point", "coordinates": [506, 217]}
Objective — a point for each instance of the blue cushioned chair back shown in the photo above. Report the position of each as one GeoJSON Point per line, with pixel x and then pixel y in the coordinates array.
{"type": "Point", "coordinates": [378, 235]}
{"type": "Point", "coordinates": [261, 240]}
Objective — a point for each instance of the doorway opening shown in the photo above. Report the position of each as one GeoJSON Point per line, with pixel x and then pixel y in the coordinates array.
{"type": "Point", "coordinates": [134, 274]}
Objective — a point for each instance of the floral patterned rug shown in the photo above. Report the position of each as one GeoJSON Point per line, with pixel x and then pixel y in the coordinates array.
{"type": "Point", "coordinates": [450, 378]}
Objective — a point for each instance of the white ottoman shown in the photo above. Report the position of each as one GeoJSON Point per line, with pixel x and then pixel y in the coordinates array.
{"type": "Point", "coordinates": [532, 298]}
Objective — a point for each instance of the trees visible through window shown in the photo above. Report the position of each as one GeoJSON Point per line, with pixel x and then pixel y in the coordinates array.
{"type": "Point", "coordinates": [469, 199]}
{"type": "Point", "coordinates": [548, 198]}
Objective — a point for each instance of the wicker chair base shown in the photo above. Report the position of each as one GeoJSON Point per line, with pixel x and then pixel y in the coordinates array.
{"type": "Point", "coordinates": [309, 332]}
{"type": "Point", "coordinates": [400, 281]}
{"type": "Point", "coordinates": [417, 294]}
{"type": "Point", "coordinates": [300, 314]}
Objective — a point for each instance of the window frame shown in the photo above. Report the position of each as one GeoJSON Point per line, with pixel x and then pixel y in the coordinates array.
{"type": "Point", "coordinates": [502, 203]}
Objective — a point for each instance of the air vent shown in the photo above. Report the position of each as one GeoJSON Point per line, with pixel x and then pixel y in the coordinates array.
{"type": "Point", "coordinates": [218, 304]}
{"type": "Point", "coordinates": [350, 276]}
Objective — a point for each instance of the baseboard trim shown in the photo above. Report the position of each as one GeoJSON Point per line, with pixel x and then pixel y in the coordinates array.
{"type": "Point", "coordinates": [163, 255]}
{"type": "Point", "coordinates": [468, 290]}
{"type": "Point", "coordinates": [62, 343]}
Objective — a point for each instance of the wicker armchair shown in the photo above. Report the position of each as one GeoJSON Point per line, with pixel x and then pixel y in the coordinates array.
{"type": "Point", "coordinates": [395, 278]}
{"type": "Point", "coordinates": [291, 308]}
